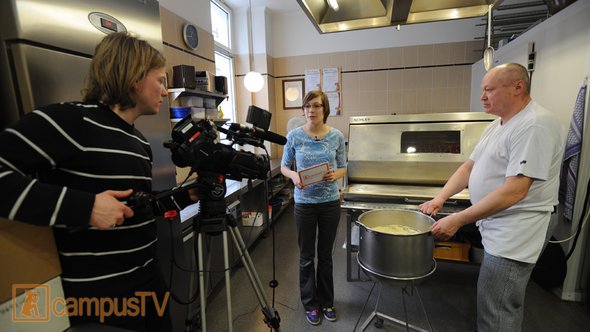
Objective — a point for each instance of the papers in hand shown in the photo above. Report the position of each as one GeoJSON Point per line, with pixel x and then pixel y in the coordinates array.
{"type": "Point", "coordinates": [313, 174]}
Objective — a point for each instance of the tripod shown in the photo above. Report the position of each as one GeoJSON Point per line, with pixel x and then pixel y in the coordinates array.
{"type": "Point", "coordinates": [214, 219]}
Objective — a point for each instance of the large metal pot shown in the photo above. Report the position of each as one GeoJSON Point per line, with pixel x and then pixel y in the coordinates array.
{"type": "Point", "coordinates": [402, 256]}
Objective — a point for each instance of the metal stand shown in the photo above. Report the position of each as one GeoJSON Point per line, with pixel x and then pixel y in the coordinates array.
{"type": "Point", "coordinates": [222, 222]}
{"type": "Point", "coordinates": [379, 317]}
{"type": "Point", "coordinates": [408, 287]}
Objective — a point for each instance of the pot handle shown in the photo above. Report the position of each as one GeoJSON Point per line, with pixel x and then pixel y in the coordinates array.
{"type": "Point", "coordinates": [360, 224]}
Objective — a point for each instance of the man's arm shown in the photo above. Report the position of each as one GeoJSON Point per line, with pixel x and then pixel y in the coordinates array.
{"type": "Point", "coordinates": [457, 182]}
{"type": "Point", "coordinates": [514, 189]}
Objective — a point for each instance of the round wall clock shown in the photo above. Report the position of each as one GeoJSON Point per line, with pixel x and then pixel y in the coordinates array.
{"type": "Point", "coordinates": [189, 34]}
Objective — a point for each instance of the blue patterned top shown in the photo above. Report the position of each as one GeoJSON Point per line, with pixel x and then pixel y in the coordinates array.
{"type": "Point", "coordinates": [307, 152]}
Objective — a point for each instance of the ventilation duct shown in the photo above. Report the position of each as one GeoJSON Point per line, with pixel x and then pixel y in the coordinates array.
{"type": "Point", "coordinates": [354, 14]}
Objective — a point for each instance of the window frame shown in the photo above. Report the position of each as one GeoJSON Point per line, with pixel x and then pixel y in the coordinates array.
{"type": "Point", "coordinates": [227, 52]}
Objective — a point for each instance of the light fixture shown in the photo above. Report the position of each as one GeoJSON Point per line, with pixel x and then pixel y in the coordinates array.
{"type": "Point", "coordinates": [488, 53]}
{"type": "Point", "coordinates": [334, 5]}
{"type": "Point", "coordinates": [253, 81]}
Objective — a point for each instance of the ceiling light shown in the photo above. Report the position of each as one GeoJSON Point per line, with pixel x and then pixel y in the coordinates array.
{"type": "Point", "coordinates": [333, 4]}
{"type": "Point", "coordinates": [253, 81]}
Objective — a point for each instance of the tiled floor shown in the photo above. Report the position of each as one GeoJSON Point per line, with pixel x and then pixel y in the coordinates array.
{"type": "Point", "coordinates": [448, 296]}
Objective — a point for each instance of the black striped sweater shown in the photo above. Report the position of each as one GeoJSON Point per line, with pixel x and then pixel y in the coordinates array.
{"type": "Point", "coordinates": [52, 163]}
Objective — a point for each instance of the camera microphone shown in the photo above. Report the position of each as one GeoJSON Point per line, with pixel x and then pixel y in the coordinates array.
{"type": "Point", "coordinates": [259, 133]}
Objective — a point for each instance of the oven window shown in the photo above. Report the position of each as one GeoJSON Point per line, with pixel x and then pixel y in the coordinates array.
{"type": "Point", "coordinates": [447, 141]}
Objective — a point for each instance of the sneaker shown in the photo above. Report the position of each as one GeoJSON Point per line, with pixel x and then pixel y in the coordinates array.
{"type": "Point", "coordinates": [330, 313]}
{"type": "Point", "coordinates": [313, 317]}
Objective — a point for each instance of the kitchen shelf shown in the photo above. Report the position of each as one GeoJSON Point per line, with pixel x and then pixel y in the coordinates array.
{"type": "Point", "coordinates": [276, 184]}
{"type": "Point", "coordinates": [275, 216]}
{"type": "Point", "coordinates": [176, 93]}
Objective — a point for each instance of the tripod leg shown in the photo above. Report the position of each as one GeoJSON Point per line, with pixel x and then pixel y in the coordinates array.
{"type": "Point", "coordinates": [202, 295]}
{"type": "Point", "coordinates": [227, 282]}
{"type": "Point", "coordinates": [271, 318]}
{"type": "Point", "coordinates": [202, 291]}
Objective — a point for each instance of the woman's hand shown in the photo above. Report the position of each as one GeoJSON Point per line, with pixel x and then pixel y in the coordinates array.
{"type": "Point", "coordinates": [330, 176]}
{"type": "Point", "coordinates": [297, 181]}
{"type": "Point", "coordinates": [108, 211]}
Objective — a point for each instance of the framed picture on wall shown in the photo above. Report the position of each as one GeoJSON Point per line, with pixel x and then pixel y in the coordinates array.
{"type": "Point", "coordinates": [293, 93]}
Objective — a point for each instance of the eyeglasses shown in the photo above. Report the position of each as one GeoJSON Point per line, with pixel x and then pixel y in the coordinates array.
{"type": "Point", "coordinates": [314, 106]}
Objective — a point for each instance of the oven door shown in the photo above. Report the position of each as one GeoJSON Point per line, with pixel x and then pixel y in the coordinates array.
{"type": "Point", "coordinates": [416, 153]}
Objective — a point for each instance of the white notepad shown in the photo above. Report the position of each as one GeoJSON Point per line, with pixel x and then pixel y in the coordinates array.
{"type": "Point", "coordinates": [313, 174]}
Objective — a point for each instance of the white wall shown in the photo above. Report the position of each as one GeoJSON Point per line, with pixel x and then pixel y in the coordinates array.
{"type": "Point", "coordinates": [562, 45]}
{"type": "Point", "coordinates": [196, 11]}
{"type": "Point", "coordinates": [294, 34]}
{"type": "Point", "coordinates": [261, 21]}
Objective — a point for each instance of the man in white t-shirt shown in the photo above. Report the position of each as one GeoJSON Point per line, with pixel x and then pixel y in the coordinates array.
{"type": "Point", "coordinates": [513, 180]}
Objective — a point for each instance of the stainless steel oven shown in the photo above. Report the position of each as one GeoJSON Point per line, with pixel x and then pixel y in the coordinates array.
{"type": "Point", "coordinates": [400, 161]}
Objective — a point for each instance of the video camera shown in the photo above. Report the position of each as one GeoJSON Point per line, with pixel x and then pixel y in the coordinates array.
{"type": "Point", "coordinates": [196, 144]}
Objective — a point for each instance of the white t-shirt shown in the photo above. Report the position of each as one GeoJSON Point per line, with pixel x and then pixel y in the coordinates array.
{"type": "Point", "coordinates": [531, 144]}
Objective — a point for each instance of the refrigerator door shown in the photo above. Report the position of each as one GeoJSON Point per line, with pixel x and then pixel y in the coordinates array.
{"type": "Point", "coordinates": [47, 76]}
{"type": "Point", "coordinates": [46, 48]}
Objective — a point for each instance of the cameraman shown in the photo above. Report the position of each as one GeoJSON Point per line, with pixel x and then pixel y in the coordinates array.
{"type": "Point", "coordinates": [70, 165]}
{"type": "Point", "coordinates": [317, 206]}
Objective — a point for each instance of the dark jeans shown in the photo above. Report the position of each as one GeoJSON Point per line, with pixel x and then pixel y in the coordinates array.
{"type": "Point", "coordinates": [317, 288]}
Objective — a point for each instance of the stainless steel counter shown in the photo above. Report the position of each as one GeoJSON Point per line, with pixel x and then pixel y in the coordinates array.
{"type": "Point", "coordinates": [234, 190]}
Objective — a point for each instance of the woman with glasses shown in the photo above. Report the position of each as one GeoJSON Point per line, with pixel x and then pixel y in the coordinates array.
{"type": "Point", "coordinates": [317, 204]}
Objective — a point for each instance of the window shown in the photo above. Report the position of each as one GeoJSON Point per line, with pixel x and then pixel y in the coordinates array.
{"type": "Point", "coordinates": [448, 141]}
{"type": "Point", "coordinates": [224, 67]}
{"type": "Point", "coordinates": [220, 24]}
{"type": "Point", "coordinates": [221, 28]}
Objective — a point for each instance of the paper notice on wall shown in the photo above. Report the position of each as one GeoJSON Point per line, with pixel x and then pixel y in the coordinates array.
{"type": "Point", "coordinates": [313, 174]}
{"type": "Point", "coordinates": [313, 80]}
{"type": "Point", "coordinates": [334, 99]}
{"type": "Point", "coordinates": [330, 80]}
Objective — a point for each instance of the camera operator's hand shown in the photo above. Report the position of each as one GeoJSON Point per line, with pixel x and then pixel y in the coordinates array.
{"type": "Point", "coordinates": [193, 194]}
{"type": "Point", "coordinates": [108, 211]}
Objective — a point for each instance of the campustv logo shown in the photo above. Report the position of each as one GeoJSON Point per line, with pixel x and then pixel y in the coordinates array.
{"type": "Point", "coordinates": [34, 307]}
{"type": "Point", "coordinates": [33, 303]}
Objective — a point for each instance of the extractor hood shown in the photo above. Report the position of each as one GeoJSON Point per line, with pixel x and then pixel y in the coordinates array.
{"type": "Point", "coordinates": [344, 15]}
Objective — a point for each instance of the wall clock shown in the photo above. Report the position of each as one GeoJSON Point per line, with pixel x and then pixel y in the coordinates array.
{"type": "Point", "coordinates": [189, 34]}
